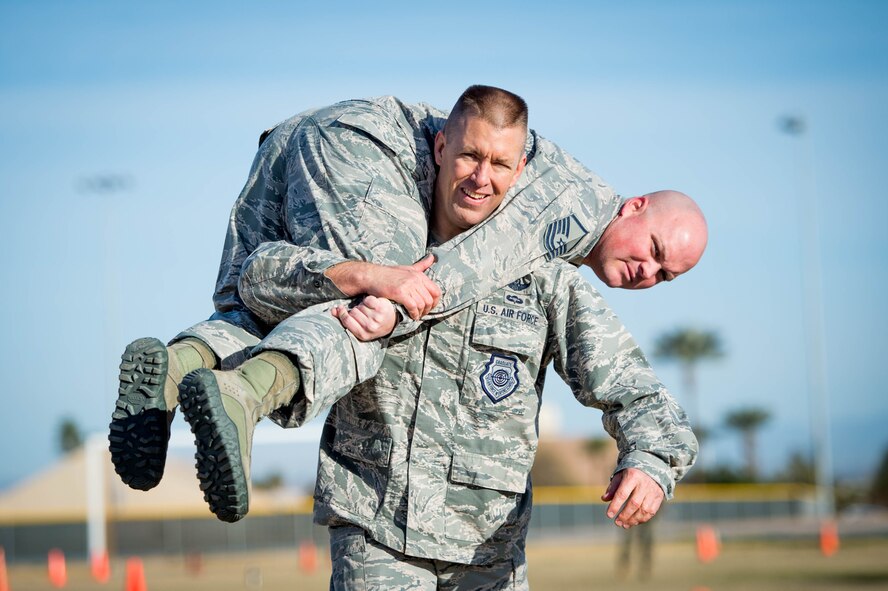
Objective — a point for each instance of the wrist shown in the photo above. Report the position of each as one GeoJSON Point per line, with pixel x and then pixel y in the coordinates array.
{"type": "Point", "coordinates": [349, 277]}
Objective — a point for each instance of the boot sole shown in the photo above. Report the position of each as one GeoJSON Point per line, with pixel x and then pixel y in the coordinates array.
{"type": "Point", "coordinates": [139, 429]}
{"type": "Point", "coordinates": [219, 467]}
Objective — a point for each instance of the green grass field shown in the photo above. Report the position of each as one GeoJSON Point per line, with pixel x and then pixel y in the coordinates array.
{"type": "Point", "coordinates": [860, 564]}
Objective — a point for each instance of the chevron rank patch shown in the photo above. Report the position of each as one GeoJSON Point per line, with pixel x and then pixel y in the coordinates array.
{"type": "Point", "coordinates": [500, 377]}
{"type": "Point", "coordinates": [562, 234]}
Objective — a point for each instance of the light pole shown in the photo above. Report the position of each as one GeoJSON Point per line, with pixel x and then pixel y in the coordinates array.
{"type": "Point", "coordinates": [106, 185]}
{"type": "Point", "coordinates": [812, 296]}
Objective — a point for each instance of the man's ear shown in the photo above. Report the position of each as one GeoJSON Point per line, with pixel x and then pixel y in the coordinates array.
{"type": "Point", "coordinates": [634, 206]}
{"type": "Point", "coordinates": [518, 170]}
{"type": "Point", "coordinates": [439, 147]}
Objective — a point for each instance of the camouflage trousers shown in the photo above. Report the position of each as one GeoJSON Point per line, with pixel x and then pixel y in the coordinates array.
{"type": "Point", "coordinates": [362, 564]}
{"type": "Point", "coordinates": [330, 360]}
{"type": "Point", "coordinates": [230, 343]}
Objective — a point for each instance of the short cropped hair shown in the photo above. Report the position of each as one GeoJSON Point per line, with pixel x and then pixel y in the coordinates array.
{"type": "Point", "coordinates": [496, 106]}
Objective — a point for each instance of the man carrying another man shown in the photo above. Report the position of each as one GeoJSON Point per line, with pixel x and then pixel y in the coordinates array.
{"type": "Point", "coordinates": [454, 405]}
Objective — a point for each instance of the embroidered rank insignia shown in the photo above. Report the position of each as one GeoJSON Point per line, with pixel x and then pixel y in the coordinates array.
{"type": "Point", "coordinates": [561, 235]}
{"type": "Point", "coordinates": [520, 284]}
{"type": "Point", "coordinates": [500, 377]}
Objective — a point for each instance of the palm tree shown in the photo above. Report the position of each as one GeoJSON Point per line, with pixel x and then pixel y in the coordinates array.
{"type": "Point", "coordinates": [689, 346]}
{"type": "Point", "coordinates": [69, 435]}
{"type": "Point", "coordinates": [748, 421]}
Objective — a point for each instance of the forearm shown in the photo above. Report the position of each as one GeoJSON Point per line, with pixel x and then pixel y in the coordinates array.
{"type": "Point", "coordinates": [352, 277]}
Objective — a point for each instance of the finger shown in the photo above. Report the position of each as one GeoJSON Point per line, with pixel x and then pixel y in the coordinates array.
{"type": "Point", "coordinates": [653, 500]}
{"type": "Point", "coordinates": [433, 294]}
{"type": "Point", "coordinates": [345, 321]}
{"type": "Point", "coordinates": [359, 315]}
{"type": "Point", "coordinates": [433, 289]}
{"type": "Point", "coordinates": [612, 487]}
{"type": "Point", "coordinates": [354, 327]}
{"type": "Point", "coordinates": [647, 510]}
{"type": "Point", "coordinates": [371, 302]}
{"type": "Point", "coordinates": [424, 263]}
{"type": "Point", "coordinates": [655, 505]}
{"type": "Point", "coordinates": [426, 303]}
{"type": "Point", "coordinates": [374, 316]}
{"type": "Point", "coordinates": [620, 496]}
{"type": "Point", "coordinates": [413, 310]}
{"type": "Point", "coordinates": [632, 512]}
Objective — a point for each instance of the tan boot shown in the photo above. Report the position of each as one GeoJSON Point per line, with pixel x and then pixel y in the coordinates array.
{"type": "Point", "coordinates": [223, 408]}
{"type": "Point", "coordinates": [140, 424]}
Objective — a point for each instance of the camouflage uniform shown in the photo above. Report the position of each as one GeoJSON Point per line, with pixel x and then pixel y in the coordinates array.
{"type": "Point", "coordinates": [432, 456]}
{"type": "Point", "coordinates": [360, 563]}
{"type": "Point", "coordinates": [354, 182]}
{"type": "Point", "coordinates": [310, 184]}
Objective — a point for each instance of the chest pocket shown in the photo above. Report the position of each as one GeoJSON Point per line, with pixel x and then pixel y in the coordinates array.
{"type": "Point", "coordinates": [503, 360]}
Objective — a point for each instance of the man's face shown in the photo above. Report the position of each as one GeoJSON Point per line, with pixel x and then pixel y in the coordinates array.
{"type": "Point", "coordinates": [645, 245]}
{"type": "Point", "coordinates": [478, 163]}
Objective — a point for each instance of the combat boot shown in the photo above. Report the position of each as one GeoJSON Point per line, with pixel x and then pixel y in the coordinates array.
{"type": "Point", "coordinates": [223, 408]}
{"type": "Point", "coordinates": [139, 432]}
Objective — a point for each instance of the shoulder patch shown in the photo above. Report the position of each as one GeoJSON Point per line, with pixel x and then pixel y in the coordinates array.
{"type": "Point", "coordinates": [561, 235]}
{"type": "Point", "coordinates": [520, 284]}
{"type": "Point", "coordinates": [500, 377]}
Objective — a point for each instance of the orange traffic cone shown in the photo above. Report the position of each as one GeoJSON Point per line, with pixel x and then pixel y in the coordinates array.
{"type": "Point", "coordinates": [4, 579]}
{"type": "Point", "coordinates": [194, 563]}
{"type": "Point", "coordinates": [58, 572]}
{"type": "Point", "coordinates": [100, 567]}
{"type": "Point", "coordinates": [707, 543]}
{"type": "Point", "coordinates": [135, 575]}
{"type": "Point", "coordinates": [829, 538]}
{"type": "Point", "coordinates": [308, 557]}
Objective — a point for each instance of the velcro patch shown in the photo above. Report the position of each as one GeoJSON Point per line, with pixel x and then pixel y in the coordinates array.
{"type": "Point", "coordinates": [561, 234]}
{"type": "Point", "coordinates": [520, 284]}
{"type": "Point", "coordinates": [510, 313]}
{"type": "Point", "coordinates": [500, 377]}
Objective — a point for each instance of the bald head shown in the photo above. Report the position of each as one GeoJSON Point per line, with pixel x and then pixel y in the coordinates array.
{"type": "Point", "coordinates": [654, 238]}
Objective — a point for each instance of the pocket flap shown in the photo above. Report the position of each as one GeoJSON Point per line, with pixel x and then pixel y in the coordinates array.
{"type": "Point", "coordinates": [498, 474]}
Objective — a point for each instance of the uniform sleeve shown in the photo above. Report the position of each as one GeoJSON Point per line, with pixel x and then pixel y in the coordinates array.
{"type": "Point", "coordinates": [280, 279]}
{"type": "Point", "coordinates": [605, 369]}
{"type": "Point", "coordinates": [256, 217]}
{"type": "Point", "coordinates": [350, 195]}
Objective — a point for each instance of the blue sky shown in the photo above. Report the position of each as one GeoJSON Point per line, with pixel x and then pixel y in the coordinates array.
{"type": "Point", "coordinates": [170, 98]}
